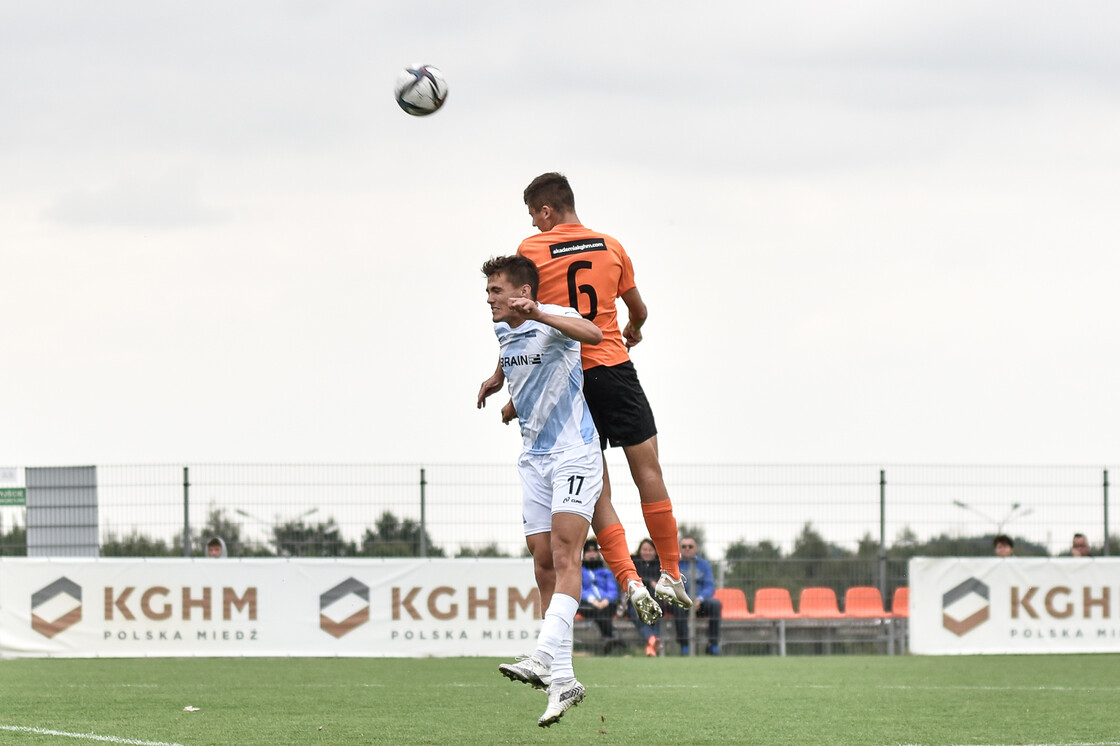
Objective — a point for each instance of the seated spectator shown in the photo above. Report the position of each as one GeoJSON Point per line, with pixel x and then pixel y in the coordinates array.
{"type": "Point", "coordinates": [1080, 546]}
{"type": "Point", "coordinates": [600, 594]}
{"type": "Point", "coordinates": [1003, 545]}
{"type": "Point", "coordinates": [701, 586]}
{"type": "Point", "coordinates": [648, 566]}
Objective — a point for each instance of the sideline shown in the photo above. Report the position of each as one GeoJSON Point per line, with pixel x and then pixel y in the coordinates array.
{"type": "Point", "coordinates": [85, 736]}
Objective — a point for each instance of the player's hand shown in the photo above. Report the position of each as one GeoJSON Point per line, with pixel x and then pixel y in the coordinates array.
{"type": "Point", "coordinates": [508, 413]}
{"type": "Point", "coordinates": [490, 386]}
{"type": "Point", "coordinates": [525, 307]}
{"type": "Point", "coordinates": [632, 335]}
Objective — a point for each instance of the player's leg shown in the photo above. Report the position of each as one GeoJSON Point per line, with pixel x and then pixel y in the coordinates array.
{"type": "Point", "coordinates": [624, 418]}
{"type": "Point", "coordinates": [536, 517]}
{"type": "Point", "coordinates": [611, 536]}
{"type": "Point", "coordinates": [577, 484]}
{"type": "Point", "coordinates": [657, 508]}
{"type": "Point", "coordinates": [569, 531]}
{"type": "Point", "coordinates": [612, 394]}
{"type": "Point", "coordinates": [536, 512]}
{"type": "Point", "coordinates": [540, 548]}
{"type": "Point", "coordinates": [660, 521]}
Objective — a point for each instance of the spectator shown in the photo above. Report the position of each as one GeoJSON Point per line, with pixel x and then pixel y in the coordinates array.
{"type": "Point", "coordinates": [216, 548]}
{"type": "Point", "coordinates": [1080, 546]}
{"type": "Point", "coordinates": [600, 594]}
{"type": "Point", "coordinates": [648, 565]}
{"type": "Point", "coordinates": [1004, 545]}
{"type": "Point", "coordinates": [701, 586]}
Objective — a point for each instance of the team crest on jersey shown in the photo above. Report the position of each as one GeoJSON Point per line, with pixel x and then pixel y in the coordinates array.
{"type": "Point", "coordinates": [581, 246]}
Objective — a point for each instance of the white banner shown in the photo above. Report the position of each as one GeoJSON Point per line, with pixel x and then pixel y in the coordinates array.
{"type": "Point", "coordinates": [995, 605]}
{"type": "Point", "coordinates": [267, 607]}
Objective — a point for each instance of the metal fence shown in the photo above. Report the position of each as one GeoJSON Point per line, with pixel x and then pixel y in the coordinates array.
{"type": "Point", "coordinates": [451, 510]}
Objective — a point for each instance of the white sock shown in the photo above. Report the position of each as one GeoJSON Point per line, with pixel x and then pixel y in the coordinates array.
{"type": "Point", "coordinates": [562, 669]}
{"type": "Point", "coordinates": [556, 627]}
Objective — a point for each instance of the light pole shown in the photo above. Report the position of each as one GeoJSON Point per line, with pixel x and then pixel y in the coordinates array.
{"type": "Point", "coordinates": [263, 522]}
{"type": "Point", "coordinates": [1017, 511]}
{"type": "Point", "coordinates": [270, 531]}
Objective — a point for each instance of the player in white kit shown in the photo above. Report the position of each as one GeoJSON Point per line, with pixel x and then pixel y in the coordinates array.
{"type": "Point", "coordinates": [561, 465]}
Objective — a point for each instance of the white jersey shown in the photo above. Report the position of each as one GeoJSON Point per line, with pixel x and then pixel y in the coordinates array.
{"type": "Point", "coordinates": [545, 378]}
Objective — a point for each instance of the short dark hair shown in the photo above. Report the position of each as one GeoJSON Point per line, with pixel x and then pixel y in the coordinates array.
{"type": "Point", "coordinates": [1003, 539]}
{"type": "Point", "coordinates": [550, 189]}
{"type": "Point", "coordinates": [517, 269]}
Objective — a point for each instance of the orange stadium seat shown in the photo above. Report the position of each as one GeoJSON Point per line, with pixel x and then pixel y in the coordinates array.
{"type": "Point", "coordinates": [773, 603]}
{"type": "Point", "coordinates": [900, 604]}
{"type": "Point", "coordinates": [734, 603]}
{"type": "Point", "coordinates": [818, 603]}
{"type": "Point", "coordinates": [864, 602]}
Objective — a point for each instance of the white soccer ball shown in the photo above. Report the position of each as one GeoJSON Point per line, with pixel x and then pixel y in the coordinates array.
{"type": "Point", "coordinates": [420, 90]}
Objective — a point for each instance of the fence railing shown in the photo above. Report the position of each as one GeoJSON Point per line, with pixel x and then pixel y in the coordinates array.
{"type": "Point", "coordinates": [741, 511]}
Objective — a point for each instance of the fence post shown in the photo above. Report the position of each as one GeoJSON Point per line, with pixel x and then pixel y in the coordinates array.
{"type": "Point", "coordinates": [423, 517]}
{"type": "Point", "coordinates": [186, 512]}
{"type": "Point", "coordinates": [1106, 512]}
{"type": "Point", "coordinates": [883, 534]}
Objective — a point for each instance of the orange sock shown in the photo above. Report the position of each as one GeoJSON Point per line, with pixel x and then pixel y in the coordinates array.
{"type": "Point", "coordinates": [612, 545]}
{"type": "Point", "coordinates": [662, 526]}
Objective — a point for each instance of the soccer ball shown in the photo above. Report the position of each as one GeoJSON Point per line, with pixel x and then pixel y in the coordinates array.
{"type": "Point", "coordinates": [420, 90]}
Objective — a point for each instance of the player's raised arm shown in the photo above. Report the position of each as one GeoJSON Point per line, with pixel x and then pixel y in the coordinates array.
{"type": "Point", "coordinates": [575, 327]}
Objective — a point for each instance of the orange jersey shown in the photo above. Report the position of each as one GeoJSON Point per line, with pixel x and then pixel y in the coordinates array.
{"type": "Point", "coordinates": [587, 271]}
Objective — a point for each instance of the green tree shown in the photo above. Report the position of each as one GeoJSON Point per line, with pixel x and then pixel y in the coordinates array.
{"type": "Point", "coordinates": [298, 539]}
{"type": "Point", "coordinates": [13, 543]}
{"type": "Point", "coordinates": [763, 550]}
{"type": "Point", "coordinates": [490, 550]}
{"type": "Point", "coordinates": [868, 547]}
{"type": "Point", "coordinates": [816, 562]}
{"type": "Point", "coordinates": [754, 566]}
{"type": "Point", "coordinates": [396, 538]}
{"type": "Point", "coordinates": [697, 532]}
{"type": "Point", "coordinates": [136, 544]}
{"type": "Point", "coordinates": [964, 546]}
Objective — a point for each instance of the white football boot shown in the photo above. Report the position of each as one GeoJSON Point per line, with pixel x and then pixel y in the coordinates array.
{"type": "Point", "coordinates": [528, 670]}
{"type": "Point", "coordinates": [649, 611]}
{"type": "Point", "coordinates": [672, 591]}
{"type": "Point", "coordinates": [562, 696]}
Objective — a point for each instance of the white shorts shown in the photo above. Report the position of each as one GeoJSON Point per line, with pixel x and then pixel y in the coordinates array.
{"type": "Point", "coordinates": [566, 482]}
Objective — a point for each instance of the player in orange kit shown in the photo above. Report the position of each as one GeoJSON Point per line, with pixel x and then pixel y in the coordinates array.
{"type": "Point", "coordinates": [589, 271]}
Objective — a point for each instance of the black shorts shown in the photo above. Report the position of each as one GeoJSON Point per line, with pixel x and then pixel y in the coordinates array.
{"type": "Point", "coordinates": [618, 405]}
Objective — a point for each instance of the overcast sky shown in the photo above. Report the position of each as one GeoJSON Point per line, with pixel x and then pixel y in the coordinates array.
{"type": "Point", "coordinates": [866, 231]}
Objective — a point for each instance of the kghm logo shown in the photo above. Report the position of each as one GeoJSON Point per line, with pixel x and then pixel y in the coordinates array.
{"type": "Point", "coordinates": [61, 601]}
{"type": "Point", "coordinates": [965, 607]}
{"type": "Point", "coordinates": [344, 607]}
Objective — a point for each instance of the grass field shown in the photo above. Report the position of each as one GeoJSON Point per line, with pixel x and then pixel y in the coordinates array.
{"type": "Point", "coordinates": [731, 700]}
